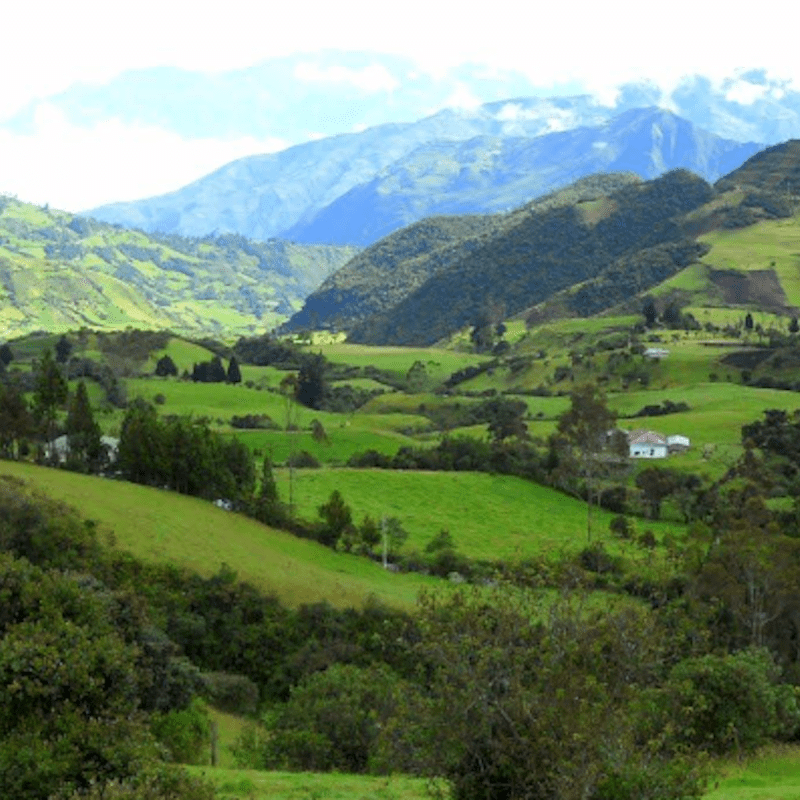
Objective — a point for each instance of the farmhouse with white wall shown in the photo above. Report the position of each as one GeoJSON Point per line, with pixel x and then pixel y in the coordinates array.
{"type": "Point", "coordinates": [649, 444]}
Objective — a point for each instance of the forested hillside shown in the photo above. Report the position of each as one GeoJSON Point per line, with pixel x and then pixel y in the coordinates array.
{"type": "Point", "coordinates": [540, 255]}
{"type": "Point", "coordinates": [383, 275]}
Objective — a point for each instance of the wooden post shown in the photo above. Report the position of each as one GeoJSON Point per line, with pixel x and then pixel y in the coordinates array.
{"type": "Point", "coordinates": [214, 740]}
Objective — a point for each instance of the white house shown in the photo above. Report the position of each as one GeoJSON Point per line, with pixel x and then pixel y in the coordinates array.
{"type": "Point", "coordinates": [647, 444]}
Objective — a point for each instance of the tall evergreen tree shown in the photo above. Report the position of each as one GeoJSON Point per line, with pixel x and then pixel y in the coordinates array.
{"type": "Point", "coordinates": [234, 373]}
{"type": "Point", "coordinates": [142, 447]}
{"type": "Point", "coordinates": [166, 366]}
{"type": "Point", "coordinates": [50, 392]}
{"type": "Point", "coordinates": [650, 312]}
{"type": "Point", "coordinates": [15, 421]}
{"type": "Point", "coordinates": [86, 450]}
{"type": "Point", "coordinates": [63, 350]}
{"type": "Point", "coordinates": [311, 383]}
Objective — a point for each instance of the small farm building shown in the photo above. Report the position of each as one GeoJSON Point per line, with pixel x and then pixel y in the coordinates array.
{"type": "Point", "coordinates": [647, 444]}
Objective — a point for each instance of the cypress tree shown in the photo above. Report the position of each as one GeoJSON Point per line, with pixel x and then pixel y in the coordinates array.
{"type": "Point", "coordinates": [166, 366]}
{"type": "Point", "coordinates": [63, 350]}
{"type": "Point", "coordinates": [50, 392]}
{"type": "Point", "coordinates": [234, 373]}
{"type": "Point", "coordinates": [83, 433]}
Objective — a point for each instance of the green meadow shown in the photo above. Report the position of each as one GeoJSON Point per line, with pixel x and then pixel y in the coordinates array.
{"type": "Point", "coordinates": [489, 516]}
{"type": "Point", "coordinates": [164, 527]}
{"type": "Point", "coordinates": [773, 774]}
{"type": "Point", "coordinates": [257, 785]}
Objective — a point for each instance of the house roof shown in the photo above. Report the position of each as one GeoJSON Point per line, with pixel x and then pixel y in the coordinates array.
{"type": "Point", "coordinates": [645, 437]}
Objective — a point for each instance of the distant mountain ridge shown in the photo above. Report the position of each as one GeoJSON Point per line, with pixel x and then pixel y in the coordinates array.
{"type": "Point", "coordinates": [489, 174]}
{"type": "Point", "coordinates": [357, 188]}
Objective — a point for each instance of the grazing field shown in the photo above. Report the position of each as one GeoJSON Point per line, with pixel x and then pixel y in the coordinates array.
{"type": "Point", "coordinates": [772, 775]}
{"type": "Point", "coordinates": [439, 364]}
{"type": "Point", "coordinates": [770, 245]}
{"type": "Point", "coordinates": [489, 516]}
{"type": "Point", "coordinates": [168, 528]}
{"type": "Point", "coordinates": [257, 785]}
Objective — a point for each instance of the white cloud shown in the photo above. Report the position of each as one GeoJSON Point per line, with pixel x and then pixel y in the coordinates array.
{"type": "Point", "coordinates": [74, 168]}
{"type": "Point", "coordinates": [371, 79]}
{"type": "Point", "coordinates": [745, 93]}
{"type": "Point", "coordinates": [462, 97]}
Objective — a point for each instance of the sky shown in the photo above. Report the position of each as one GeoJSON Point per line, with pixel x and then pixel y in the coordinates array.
{"type": "Point", "coordinates": [50, 48]}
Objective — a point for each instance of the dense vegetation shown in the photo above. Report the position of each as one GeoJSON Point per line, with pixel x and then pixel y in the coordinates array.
{"type": "Point", "coordinates": [541, 254]}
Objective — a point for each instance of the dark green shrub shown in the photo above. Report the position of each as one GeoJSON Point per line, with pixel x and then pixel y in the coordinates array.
{"type": "Point", "coordinates": [731, 703]}
{"type": "Point", "coordinates": [236, 694]}
{"type": "Point", "coordinates": [184, 734]}
{"type": "Point", "coordinates": [332, 720]}
{"type": "Point", "coordinates": [303, 459]}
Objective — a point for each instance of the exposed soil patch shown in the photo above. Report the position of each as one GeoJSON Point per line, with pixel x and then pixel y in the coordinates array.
{"type": "Point", "coordinates": [759, 288]}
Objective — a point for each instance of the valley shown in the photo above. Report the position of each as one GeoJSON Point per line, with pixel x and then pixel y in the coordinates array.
{"type": "Point", "coordinates": [405, 535]}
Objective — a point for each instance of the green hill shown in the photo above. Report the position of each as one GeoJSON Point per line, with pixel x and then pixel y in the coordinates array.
{"type": "Point", "coordinates": [164, 527]}
{"type": "Point", "coordinates": [385, 274]}
{"type": "Point", "coordinates": [61, 272]}
{"type": "Point", "coordinates": [544, 252]}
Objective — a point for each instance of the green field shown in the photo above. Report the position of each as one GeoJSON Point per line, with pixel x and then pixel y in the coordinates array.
{"type": "Point", "coordinates": [439, 364]}
{"type": "Point", "coordinates": [256, 785]}
{"type": "Point", "coordinates": [489, 516]}
{"type": "Point", "coordinates": [773, 774]}
{"type": "Point", "coordinates": [164, 527]}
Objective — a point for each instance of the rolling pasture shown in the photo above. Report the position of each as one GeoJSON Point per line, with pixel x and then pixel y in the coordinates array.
{"type": "Point", "coordinates": [489, 516]}
{"type": "Point", "coordinates": [164, 527]}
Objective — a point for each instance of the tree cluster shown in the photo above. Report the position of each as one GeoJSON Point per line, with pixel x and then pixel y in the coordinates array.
{"type": "Point", "coordinates": [213, 371]}
{"type": "Point", "coordinates": [183, 455]}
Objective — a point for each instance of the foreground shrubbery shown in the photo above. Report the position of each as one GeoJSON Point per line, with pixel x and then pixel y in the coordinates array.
{"type": "Point", "coordinates": [500, 690]}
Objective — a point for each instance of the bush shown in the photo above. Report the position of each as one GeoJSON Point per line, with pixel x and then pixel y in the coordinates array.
{"type": "Point", "coordinates": [303, 459]}
{"type": "Point", "coordinates": [731, 702]}
{"type": "Point", "coordinates": [332, 720]}
{"type": "Point", "coordinates": [184, 734]}
{"type": "Point", "coordinates": [254, 422]}
{"type": "Point", "coordinates": [236, 694]}
{"type": "Point", "coordinates": [155, 784]}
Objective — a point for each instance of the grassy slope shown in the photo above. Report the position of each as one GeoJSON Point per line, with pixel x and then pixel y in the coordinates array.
{"type": "Point", "coordinates": [160, 526]}
{"type": "Point", "coordinates": [772, 775]}
{"type": "Point", "coordinates": [255, 785]}
{"type": "Point", "coordinates": [489, 516]}
{"type": "Point", "coordinates": [58, 272]}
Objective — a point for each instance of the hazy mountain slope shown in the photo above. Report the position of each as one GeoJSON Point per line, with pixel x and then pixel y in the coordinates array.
{"type": "Point", "coordinates": [543, 254]}
{"type": "Point", "coordinates": [382, 275]}
{"type": "Point", "coordinates": [58, 271]}
{"type": "Point", "coordinates": [356, 188]}
{"type": "Point", "coordinates": [489, 174]}
{"type": "Point", "coordinates": [259, 196]}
